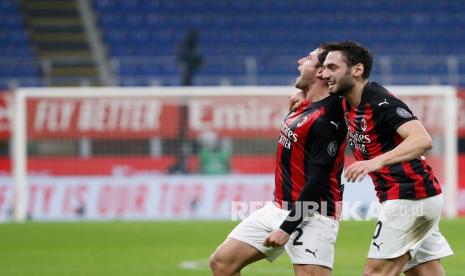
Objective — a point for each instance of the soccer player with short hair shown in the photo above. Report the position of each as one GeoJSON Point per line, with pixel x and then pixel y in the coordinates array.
{"type": "Point", "coordinates": [309, 165]}
{"type": "Point", "coordinates": [388, 142]}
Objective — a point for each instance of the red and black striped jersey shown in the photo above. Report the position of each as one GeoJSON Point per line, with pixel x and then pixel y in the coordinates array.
{"type": "Point", "coordinates": [373, 131]}
{"type": "Point", "coordinates": [310, 156]}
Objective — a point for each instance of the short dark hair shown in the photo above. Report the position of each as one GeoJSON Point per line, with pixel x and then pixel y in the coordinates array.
{"type": "Point", "coordinates": [322, 56]}
{"type": "Point", "coordinates": [354, 53]}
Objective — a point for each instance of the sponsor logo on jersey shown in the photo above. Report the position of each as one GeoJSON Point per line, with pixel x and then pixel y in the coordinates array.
{"type": "Point", "coordinates": [289, 133]}
{"type": "Point", "coordinates": [358, 141]}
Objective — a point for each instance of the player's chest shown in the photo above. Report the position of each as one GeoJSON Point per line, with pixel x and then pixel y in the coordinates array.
{"type": "Point", "coordinates": [360, 121]}
{"type": "Point", "coordinates": [301, 122]}
{"type": "Point", "coordinates": [362, 129]}
{"type": "Point", "coordinates": [296, 126]}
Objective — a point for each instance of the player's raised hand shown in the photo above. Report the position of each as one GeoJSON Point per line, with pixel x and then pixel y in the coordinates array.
{"type": "Point", "coordinates": [295, 100]}
{"type": "Point", "coordinates": [358, 170]}
{"type": "Point", "coordinates": [277, 238]}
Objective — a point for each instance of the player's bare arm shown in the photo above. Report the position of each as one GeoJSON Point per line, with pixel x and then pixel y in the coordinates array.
{"type": "Point", "coordinates": [416, 141]}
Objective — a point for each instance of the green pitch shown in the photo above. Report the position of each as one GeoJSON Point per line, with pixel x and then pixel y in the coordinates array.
{"type": "Point", "coordinates": [167, 248]}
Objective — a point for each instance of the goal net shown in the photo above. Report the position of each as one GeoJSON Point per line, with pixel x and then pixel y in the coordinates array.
{"type": "Point", "coordinates": [172, 153]}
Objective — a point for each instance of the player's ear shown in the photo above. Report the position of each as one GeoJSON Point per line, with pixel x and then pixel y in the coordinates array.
{"type": "Point", "coordinates": [357, 70]}
{"type": "Point", "coordinates": [319, 72]}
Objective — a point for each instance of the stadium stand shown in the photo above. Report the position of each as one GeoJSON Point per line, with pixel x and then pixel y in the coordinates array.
{"type": "Point", "coordinates": [18, 64]}
{"type": "Point", "coordinates": [243, 38]}
{"type": "Point", "coordinates": [242, 42]}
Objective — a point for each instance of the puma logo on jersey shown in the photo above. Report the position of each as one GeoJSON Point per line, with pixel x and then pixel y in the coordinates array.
{"type": "Point", "coordinates": [377, 245]}
{"type": "Point", "coordinates": [335, 124]}
{"type": "Point", "coordinates": [381, 103]}
{"type": "Point", "coordinates": [311, 252]}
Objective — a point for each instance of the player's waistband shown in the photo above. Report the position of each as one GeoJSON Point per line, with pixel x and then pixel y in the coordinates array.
{"type": "Point", "coordinates": [284, 205]}
{"type": "Point", "coordinates": [290, 206]}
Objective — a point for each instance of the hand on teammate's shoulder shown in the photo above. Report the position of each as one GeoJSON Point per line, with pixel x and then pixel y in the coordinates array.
{"type": "Point", "coordinates": [296, 99]}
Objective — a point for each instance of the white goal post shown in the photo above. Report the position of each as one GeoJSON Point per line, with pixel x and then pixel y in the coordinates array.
{"type": "Point", "coordinates": [445, 95]}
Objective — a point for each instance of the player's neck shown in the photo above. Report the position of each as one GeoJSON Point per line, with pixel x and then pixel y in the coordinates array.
{"type": "Point", "coordinates": [354, 96]}
{"type": "Point", "coordinates": [317, 92]}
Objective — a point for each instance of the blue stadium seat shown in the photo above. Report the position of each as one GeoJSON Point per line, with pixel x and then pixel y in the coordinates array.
{"type": "Point", "coordinates": [17, 61]}
{"type": "Point", "coordinates": [267, 29]}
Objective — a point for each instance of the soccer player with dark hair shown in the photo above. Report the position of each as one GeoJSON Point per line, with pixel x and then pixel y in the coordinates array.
{"type": "Point", "coordinates": [303, 217]}
{"type": "Point", "coordinates": [388, 142]}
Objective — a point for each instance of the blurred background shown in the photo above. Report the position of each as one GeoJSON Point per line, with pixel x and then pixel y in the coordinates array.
{"type": "Point", "coordinates": [138, 42]}
{"type": "Point", "coordinates": [205, 86]}
{"type": "Point", "coordinates": [165, 46]}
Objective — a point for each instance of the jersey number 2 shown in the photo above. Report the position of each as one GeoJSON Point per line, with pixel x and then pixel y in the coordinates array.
{"type": "Point", "coordinates": [299, 234]}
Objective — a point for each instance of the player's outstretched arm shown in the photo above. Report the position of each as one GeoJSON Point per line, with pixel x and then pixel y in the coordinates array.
{"type": "Point", "coordinates": [416, 141]}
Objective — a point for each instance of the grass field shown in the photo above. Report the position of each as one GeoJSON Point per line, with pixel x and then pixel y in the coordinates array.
{"type": "Point", "coordinates": [167, 248]}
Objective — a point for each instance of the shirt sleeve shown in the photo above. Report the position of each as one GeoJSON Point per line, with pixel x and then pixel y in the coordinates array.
{"type": "Point", "coordinates": [308, 197]}
{"type": "Point", "coordinates": [324, 147]}
{"type": "Point", "coordinates": [394, 113]}
{"type": "Point", "coordinates": [324, 142]}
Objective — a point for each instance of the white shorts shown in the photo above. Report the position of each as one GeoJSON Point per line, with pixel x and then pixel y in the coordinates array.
{"type": "Point", "coordinates": [410, 226]}
{"type": "Point", "coordinates": [312, 244]}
